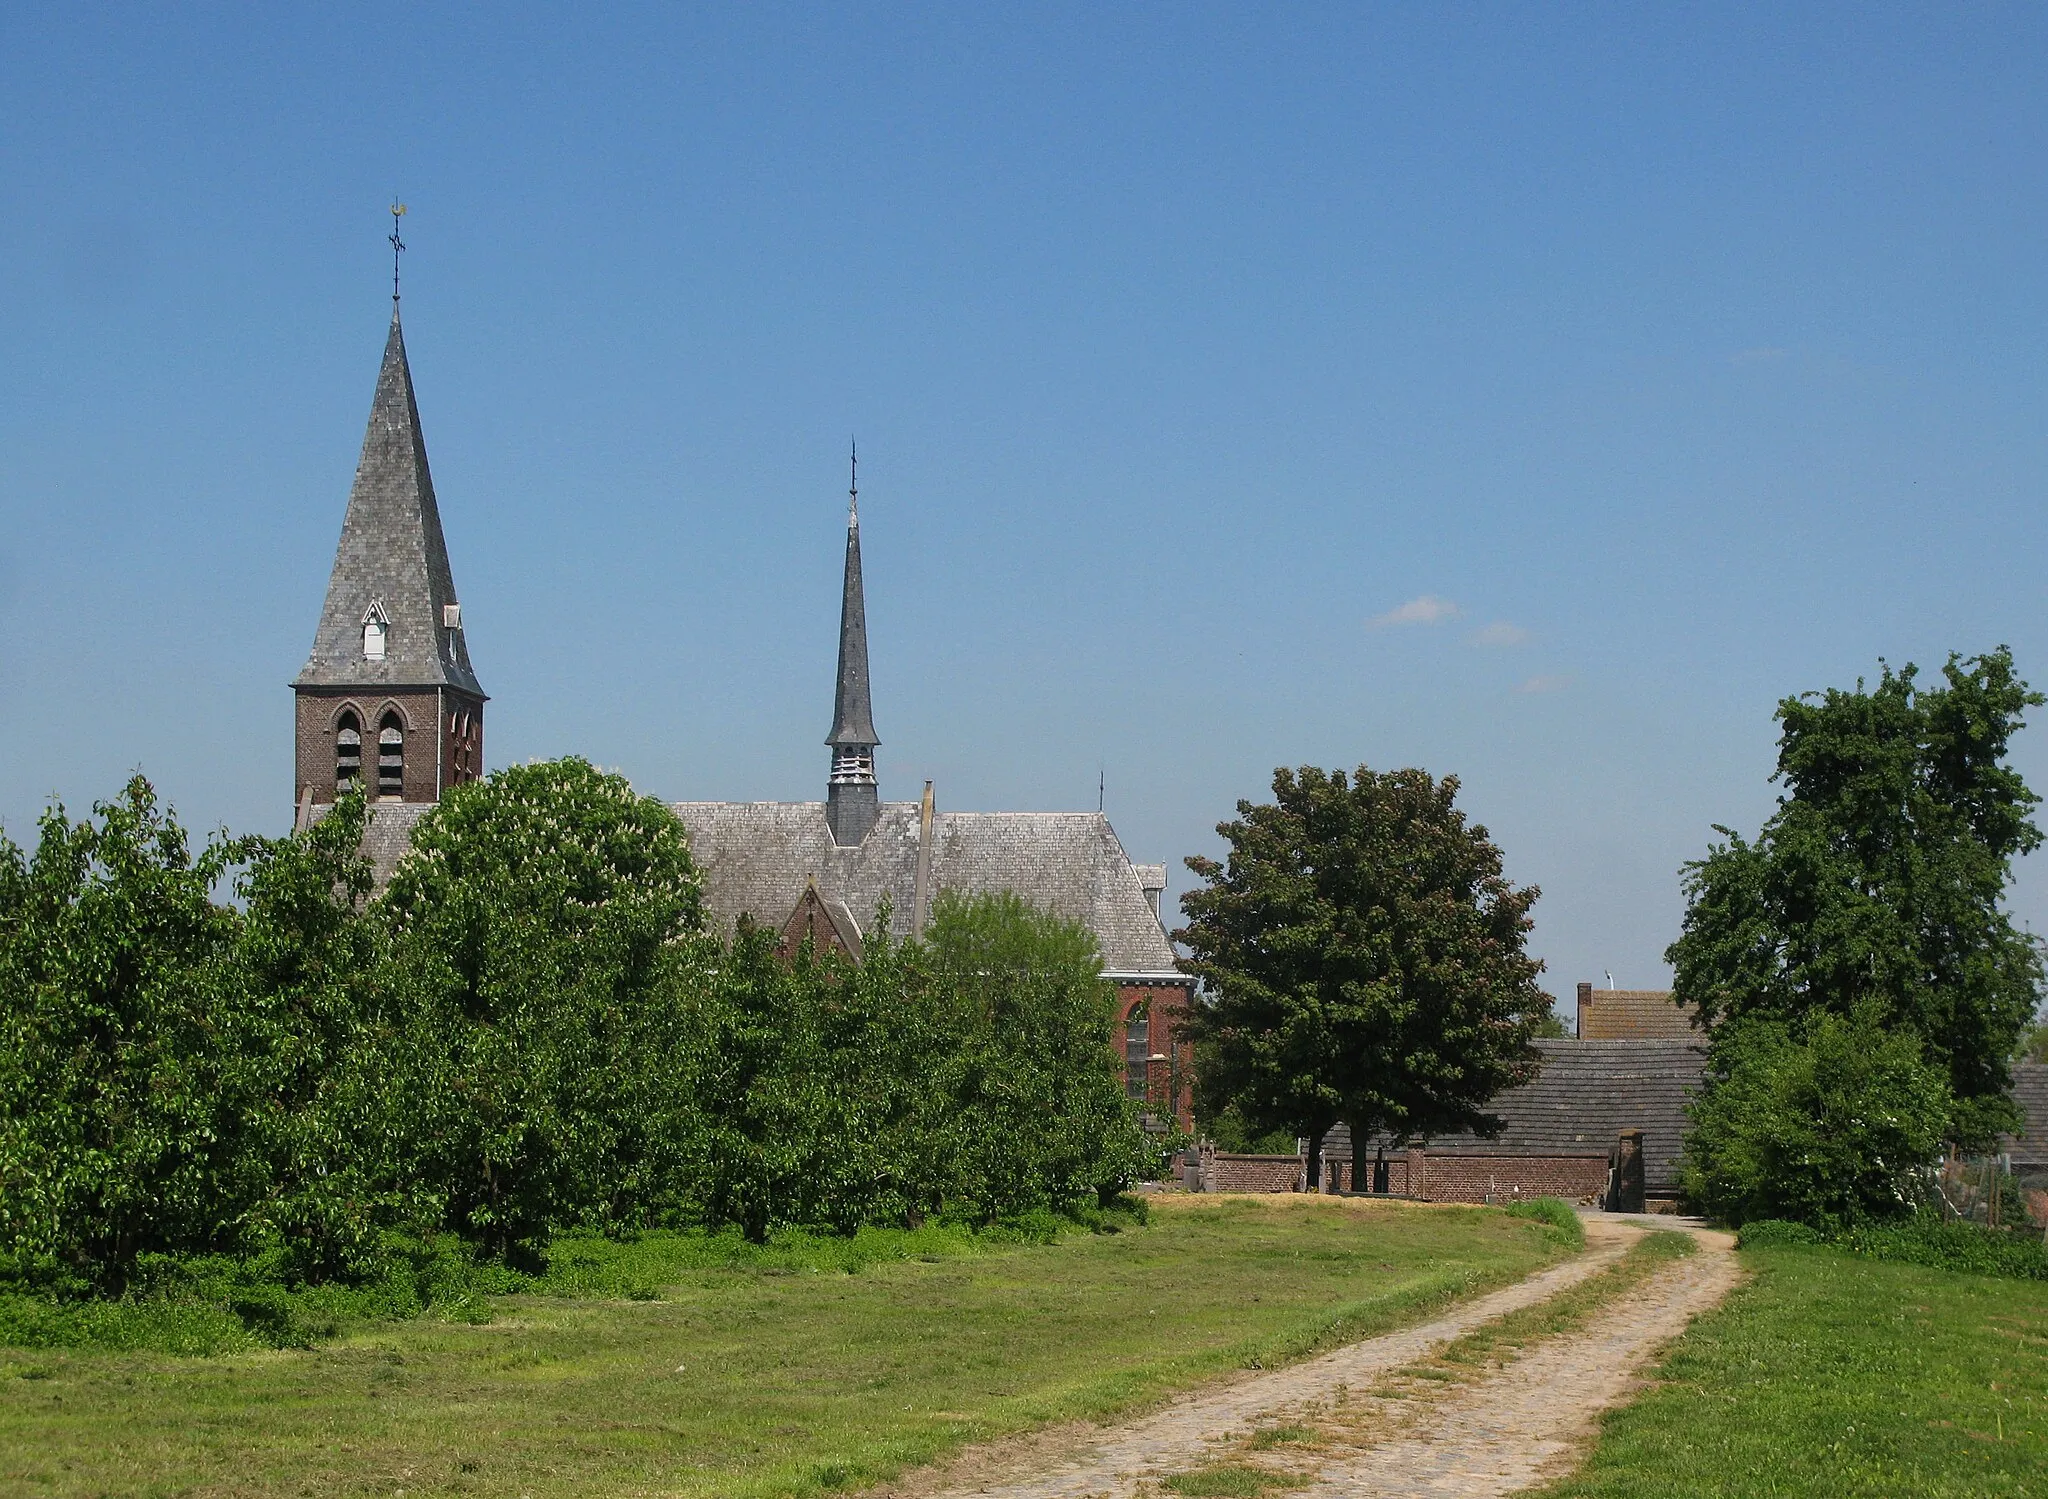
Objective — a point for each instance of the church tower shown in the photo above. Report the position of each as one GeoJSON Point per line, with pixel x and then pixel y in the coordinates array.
{"type": "Point", "coordinates": [852, 799]}
{"type": "Point", "coordinates": [387, 698]}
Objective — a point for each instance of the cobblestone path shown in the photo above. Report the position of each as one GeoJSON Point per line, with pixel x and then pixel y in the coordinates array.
{"type": "Point", "coordinates": [1525, 1424]}
{"type": "Point", "coordinates": [1499, 1434]}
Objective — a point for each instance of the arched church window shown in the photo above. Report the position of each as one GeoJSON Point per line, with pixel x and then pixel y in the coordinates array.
{"type": "Point", "coordinates": [348, 752]}
{"type": "Point", "coordinates": [1138, 1049]}
{"type": "Point", "coordinates": [391, 757]}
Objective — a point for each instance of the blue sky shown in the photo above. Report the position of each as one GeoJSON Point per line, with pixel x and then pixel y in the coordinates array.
{"type": "Point", "coordinates": [1535, 394]}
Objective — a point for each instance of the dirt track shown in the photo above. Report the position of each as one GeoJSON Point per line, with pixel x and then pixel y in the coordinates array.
{"type": "Point", "coordinates": [1506, 1430]}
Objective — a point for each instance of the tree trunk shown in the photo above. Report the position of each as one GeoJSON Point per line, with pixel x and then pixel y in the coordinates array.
{"type": "Point", "coordinates": [1314, 1182]}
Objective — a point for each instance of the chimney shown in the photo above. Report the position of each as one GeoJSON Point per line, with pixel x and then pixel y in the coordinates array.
{"type": "Point", "coordinates": [1151, 880]}
{"type": "Point", "coordinates": [1585, 1004]}
{"type": "Point", "coordinates": [921, 896]}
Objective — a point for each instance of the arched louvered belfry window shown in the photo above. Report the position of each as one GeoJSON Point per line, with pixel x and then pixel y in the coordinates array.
{"type": "Point", "coordinates": [348, 752]}
{"type": "Point", "coordinates": [391, 757]}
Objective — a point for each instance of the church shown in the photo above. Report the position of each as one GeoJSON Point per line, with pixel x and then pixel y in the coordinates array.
{"type": "Point", "coordinates": [388, 700]}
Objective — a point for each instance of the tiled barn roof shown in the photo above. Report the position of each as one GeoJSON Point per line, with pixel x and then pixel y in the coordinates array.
{"type": "Point", "coordinates": [1632, 1015]}
{"type": "Point", "coordinates": [756, 857]}
{"type": "Point", "coordinates": [2030, 1092]}
{"type": "Point", "coordinates": [1588, 1093]}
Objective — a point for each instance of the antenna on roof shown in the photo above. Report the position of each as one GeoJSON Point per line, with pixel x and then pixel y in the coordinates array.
{"type": "Point", "coordinates": [853, 483]}
{"type": "Point", "coordinates": [1101, 783]}
{"type": "Point", "coordinates": [1610, 977]}
{"type": "Point", "coordinates": [397, 245]}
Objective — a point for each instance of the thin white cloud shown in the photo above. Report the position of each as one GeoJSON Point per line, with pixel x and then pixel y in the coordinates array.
{"type": "Point", "coordinates": [1554, 683]}
{"type": "Point", "coordinates": [1427, 610]}
{"type": "Point", "coordinates": [1500, 632]}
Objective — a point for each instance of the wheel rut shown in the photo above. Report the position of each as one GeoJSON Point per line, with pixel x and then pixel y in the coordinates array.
{"type": "Point", "coordinates": [1503, 1430]}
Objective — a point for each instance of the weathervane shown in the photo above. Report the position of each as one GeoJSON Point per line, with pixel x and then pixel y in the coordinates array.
{"type": "Point", "coordinates": [397, 244]}
{"type": "Point", "coordinates": [853, 483]}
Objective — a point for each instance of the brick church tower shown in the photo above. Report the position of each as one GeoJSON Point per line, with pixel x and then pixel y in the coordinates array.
{"type": "Point", "coordinates": [387, 697]}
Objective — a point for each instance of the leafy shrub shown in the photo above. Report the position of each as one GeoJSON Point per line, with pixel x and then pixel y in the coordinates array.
{"type": "Point", "coordinates": [1924, 1239]}
{"type": "Point", "coordinates": [1227, 1129]}
{"type": "Point", "coordinates": [185, 1328]}
{"type": "Point", "coordinates": [1561, 1217]}
{"type": "Point", "coordinates": [203, 1304]}
{"type": "Point", "coordinates": [1775, 1233]}
{"type": "Point", "coordinates": [1830, 1127]}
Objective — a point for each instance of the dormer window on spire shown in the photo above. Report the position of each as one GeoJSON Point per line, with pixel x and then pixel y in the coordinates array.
{"type": "Point", "coordinates": [376, 629]}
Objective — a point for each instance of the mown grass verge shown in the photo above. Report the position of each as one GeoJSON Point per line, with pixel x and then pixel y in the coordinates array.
{"type": "Point", "coordinates": [1832, 1374]}
{"type": "Point", "coordinates": [1559, 1214]}
{"type": "Point", "coordinates": [749, 1379]}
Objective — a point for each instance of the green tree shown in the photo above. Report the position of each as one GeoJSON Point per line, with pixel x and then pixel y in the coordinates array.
{"type": "Point", "coordinates": [182, 1075]}
{"type": "Point", "coordinates": [1876, 887]}
{"type": "Point", "coordinates": [1036, 1113]}
{"type": "Point", "coordinates": [821, 1088]}
{"type": "Point", "coordinates": [118, 1132]}
{"type": "Point", "coordinates": [1826, 1122]}
{"type": "Point", "coordinates": [534, 926]}
{"type": "Point", "coordinates": [1363, 959]}
{"type": "Point", "coordinates": [305, 1021]}
{"type": "Point", "coordinates": [970, 1073]}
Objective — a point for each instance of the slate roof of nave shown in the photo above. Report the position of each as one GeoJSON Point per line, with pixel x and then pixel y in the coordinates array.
{"type": "Point", "coordinates": [756, 857]}
{"type": "Point", "coordinates": [388, 836]}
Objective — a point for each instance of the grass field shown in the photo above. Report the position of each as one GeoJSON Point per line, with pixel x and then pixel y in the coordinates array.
{"type": "Point", "coordinates": [1836, 1376]}
{"type": "Point", "coordinates": [751, 1380]}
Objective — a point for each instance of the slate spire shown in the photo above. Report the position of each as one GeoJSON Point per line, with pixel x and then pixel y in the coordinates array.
{"type": "Point", "coordinates": [391, 566]}
{"type": "Point", "coordinates": [852, 800]}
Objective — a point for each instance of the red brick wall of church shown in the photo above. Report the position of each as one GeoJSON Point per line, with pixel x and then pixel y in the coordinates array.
{"type": "Point", "coordinates": [1170, 1084]}
{"type": "Point", "coordinates": [314, 738]}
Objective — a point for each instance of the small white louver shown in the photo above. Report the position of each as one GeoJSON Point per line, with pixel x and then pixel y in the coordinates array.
{"type": "Point", "coordinates": [376, 626]}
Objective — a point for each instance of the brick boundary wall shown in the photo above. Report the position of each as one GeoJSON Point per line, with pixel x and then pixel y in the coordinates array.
{"type": "Point", "coordinates": [1472, 1177]}
{"type": "Point", "coordinates": [1223, 1171]}
{"type": "Point", "coordinates": [1463, 1177]}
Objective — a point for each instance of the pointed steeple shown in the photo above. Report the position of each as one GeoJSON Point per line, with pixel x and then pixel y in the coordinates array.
{"type": "Point", "coordinates": [391, 618]}
{"type": "Point", "coordinates": [852, 800]}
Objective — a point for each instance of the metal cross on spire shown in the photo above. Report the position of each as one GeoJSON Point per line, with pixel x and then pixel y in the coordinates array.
{"type": "Point", "coordinates": [397, 245]}
{"type": "Point", "coordinates": [853, 483]}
